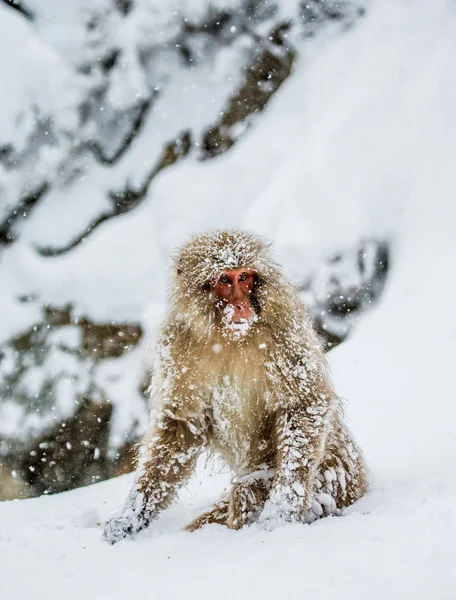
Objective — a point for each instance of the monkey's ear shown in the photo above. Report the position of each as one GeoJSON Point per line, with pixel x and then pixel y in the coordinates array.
{"type": "Point", "coordinates": [206, 286]}
{"type": "Point", "coordinates": [179, 271]}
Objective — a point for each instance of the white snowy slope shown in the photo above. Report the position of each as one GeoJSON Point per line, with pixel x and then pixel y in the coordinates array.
{"type": "Point", "coordinates": [375, 152]}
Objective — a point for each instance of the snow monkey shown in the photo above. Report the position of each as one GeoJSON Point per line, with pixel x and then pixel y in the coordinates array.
{"type": "Point", "coordinates": [239, 371]}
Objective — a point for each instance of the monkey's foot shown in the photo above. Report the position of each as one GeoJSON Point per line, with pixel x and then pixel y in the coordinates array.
{"type": "Point", "coordinates": [119, 528]}
{"type": "Point", "coordinates": [218, 514]}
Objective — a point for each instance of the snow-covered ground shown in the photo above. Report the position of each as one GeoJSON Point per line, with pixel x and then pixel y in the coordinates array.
{"type": "Point", "coordinates": [369, 129]}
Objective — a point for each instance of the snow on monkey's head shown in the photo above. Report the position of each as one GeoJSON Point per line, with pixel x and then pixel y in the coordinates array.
{"type": "Point", "coordinates": [220, 277]}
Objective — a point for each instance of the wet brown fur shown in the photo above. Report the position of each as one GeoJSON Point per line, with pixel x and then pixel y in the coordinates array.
{"type": "Point", "coordinates": [263, 401]}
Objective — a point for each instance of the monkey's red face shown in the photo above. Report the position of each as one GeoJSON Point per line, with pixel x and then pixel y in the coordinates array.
{"type": "Point", "coordinates": [233, 290]}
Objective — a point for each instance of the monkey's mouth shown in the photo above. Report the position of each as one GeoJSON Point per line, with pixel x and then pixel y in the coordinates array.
{"type": "Point", "coordinates": [238, 319]}
{"type": "Point", "coordinates": [241, 324]}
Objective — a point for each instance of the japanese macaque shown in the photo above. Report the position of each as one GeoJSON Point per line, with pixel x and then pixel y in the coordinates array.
{"type": "Point", "coordinates": [239, 371]}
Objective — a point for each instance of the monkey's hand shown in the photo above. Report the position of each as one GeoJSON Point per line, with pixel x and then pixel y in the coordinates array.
{"type": "Point", "coordinates": [132, 519]}
{"type": "Point", "coordinates": [119, 528]}
{"type": "Point", "coordinates": [116, 529]}
{"type": "Point", "coordinates": [284, 506]}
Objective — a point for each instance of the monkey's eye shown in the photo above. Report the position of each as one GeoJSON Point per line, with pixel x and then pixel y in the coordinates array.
{"type": "Point", "coordinates": [224, 279]}
{"type": "Point", "coordinates": [243, 276]}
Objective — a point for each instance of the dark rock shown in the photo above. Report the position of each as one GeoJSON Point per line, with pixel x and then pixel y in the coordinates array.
{"type": "Point", "coordinates": [74, 451]}
{"type": "Point", "coordinates": [264, 76]}
{"type": "Point", "coordinates": [345, 287]}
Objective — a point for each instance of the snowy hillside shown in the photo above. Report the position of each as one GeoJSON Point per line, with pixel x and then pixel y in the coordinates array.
{"type": "Point", "coordinates": [358, 143]}
{"type": "Point", "coordinates": [126, 127]}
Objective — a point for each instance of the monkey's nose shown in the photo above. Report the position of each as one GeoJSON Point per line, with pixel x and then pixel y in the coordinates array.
{"type": "Point", "coordinates": [242, 312]}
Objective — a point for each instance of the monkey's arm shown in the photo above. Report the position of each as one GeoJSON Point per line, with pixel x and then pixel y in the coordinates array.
{"type": "Point", "coordinates": [166, 460]}
{"type": "Point", "coordinates": [301, 429]}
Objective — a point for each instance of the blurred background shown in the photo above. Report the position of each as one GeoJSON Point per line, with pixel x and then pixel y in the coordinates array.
{"type": "Point", "coordinates": [126, 126]}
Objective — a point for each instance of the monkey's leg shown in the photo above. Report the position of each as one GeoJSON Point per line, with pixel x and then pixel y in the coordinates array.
{"type": "Point", "coordinates": [342, 478]}
{"type": "Point", "coordinates": [241, 506]}
{"type": "Point", "coordinates": [301, 436]}
{"type": "Point", "coordinates": [217, 514]}
{"type": "Point", "coordinates": [166, 460]}
{"type": "Point", "coordinates": [248, 497]}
